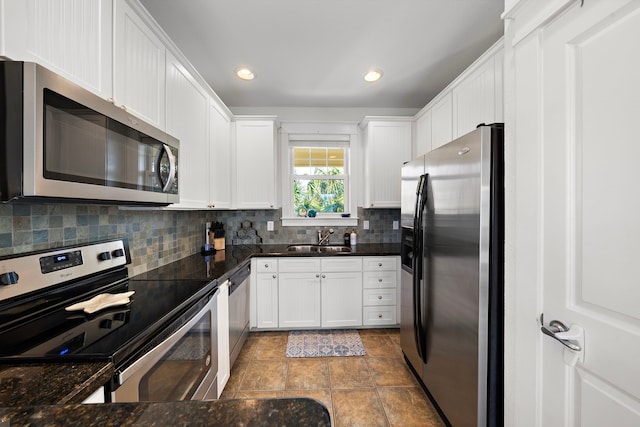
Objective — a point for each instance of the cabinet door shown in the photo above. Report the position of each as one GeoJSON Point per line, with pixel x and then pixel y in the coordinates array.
{"type": "Point", "coordinates": [474, 99]}
{"type": "Point", "coordinates": [341, 299]}
{"type": "Point", "coordinates": [220, 160]}
{"type": "Point", "coordinates": [255, 164]}
{"type": "Point", "coordinates": [139, 67]}
{"type": "Point", "coordinates": [266, 300]}
{"type": "Point", "coordinates": [187, 120]}
{"type": "Point", "coordinates": [299, 300]}
{"type": "Point", "coordinates": [72, 38]}
{"type": "Point", "coordinates": [224, 364]}
{"type": "Point", "coordinates": [442, 122]}
{"type": "Point", "coordinates": [388, 147]}
{"type": "Point", "coordinates": [423, 134]}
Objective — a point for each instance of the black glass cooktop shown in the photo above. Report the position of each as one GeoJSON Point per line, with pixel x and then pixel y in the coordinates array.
{"type": "Point", "coordinates": [113, 334]}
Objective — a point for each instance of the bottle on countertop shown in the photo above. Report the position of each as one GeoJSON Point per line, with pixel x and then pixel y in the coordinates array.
{"type": "Point", "coordinates": [347, 237]}
{"type": "Point", "coordinates": [352, 239]}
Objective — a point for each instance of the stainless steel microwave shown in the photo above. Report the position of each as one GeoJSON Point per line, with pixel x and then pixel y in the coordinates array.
{"type": "Point", "coordinates": [60, 142]}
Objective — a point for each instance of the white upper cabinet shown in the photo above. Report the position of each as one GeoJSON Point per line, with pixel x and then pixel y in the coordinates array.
{"type": "Point", "coordinates": [139, 67]}
{"type": "Point", "coordinates": [255, 162]}
{"type": "Point", "coordinates": [220, 162]}
{"type": "Point", "coordinates": [387, 145]}
{"type": "Point", "coordinates": [441, 121]}
{"type": "Point", "coordinates": [72, 38]}
{"type": "Point", "coordinates": [478, 98]}
{"type": "Point", "coordinates": [474, 97]}
{"type": "Point", "coordinates": [187, 119]}
{"type": "Point", "coordinates": [423, 134]}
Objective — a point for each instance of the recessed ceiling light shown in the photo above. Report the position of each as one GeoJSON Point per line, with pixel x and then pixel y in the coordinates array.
{"type": "Point", "coordinates": [372, 76]}
{"type": "Point", "coordinates": [244, 73]}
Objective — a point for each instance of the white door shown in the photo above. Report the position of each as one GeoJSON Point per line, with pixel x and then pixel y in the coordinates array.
{"type": "Point", "coordinates": [590, 230]}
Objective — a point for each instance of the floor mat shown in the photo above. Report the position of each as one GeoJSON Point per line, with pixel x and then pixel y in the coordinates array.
{"type": "Point", "coordinates": [325, 343]}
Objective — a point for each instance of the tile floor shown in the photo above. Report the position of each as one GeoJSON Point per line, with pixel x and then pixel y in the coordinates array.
{"type": "Point", "coordinates": [372, 390]}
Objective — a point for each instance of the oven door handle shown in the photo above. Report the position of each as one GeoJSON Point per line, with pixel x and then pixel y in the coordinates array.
{"type": "Point", "coordinates": [149, 359]}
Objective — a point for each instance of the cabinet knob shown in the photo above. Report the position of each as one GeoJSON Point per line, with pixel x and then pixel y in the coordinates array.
{"type": "Point", "coordinates": [266, 266]}
{"type": "Point", "coordinates": [379, 296]}
{"type": "Point", "coordinates": [380, 280]}
{"type": "Point", "coordinates": [379, 264]}
{"type": "Point", "coordinates": [274, 276]}
{"type": "Point", "coordinates": [379, 316]}
{"type": "Point", "coordinates": [317, 275]}
{"type": "Point", "coordinates": [323, 276]}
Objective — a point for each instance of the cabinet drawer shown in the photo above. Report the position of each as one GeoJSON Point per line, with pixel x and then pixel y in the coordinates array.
{"type": "Point", "coordinates": [379, 297]}
{"type": "Point", "coordinates": [379, 263]}
{"type": "Point", "coordinates": [298, 265]}
{"type": "Point", "coordinates": [383, 315]}
{"type": "Point", "coordinates": [265, 265]}
{"type": "Point", "coordinates": [341, 264]}
{"type": "Point", "coordinates": [379, 279]}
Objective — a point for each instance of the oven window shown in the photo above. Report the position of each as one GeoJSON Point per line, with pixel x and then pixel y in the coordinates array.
{"type": "Point", "coordinates": [179, 373]}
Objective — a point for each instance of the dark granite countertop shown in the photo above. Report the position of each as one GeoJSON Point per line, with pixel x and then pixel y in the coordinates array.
{"type": "Point", "coordinates": [61, 384]}
{"type": "Point", "coordinates": [303, 412]}
{"type": "Point", "coordinates": [51, 383]}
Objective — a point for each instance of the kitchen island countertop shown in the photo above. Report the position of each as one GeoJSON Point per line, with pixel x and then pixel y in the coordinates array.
{"type": "Point", "coordinates": [303, 412]}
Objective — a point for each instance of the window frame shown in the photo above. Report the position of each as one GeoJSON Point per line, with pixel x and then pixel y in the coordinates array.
{"type": "Point", "coordinates": [289, 217]}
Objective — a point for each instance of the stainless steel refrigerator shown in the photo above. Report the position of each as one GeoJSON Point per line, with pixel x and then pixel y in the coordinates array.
{"type": "Point", "coordinates": [452, 277]}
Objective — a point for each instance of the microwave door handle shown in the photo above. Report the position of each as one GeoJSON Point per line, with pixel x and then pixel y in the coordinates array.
{"type": "Point", "coordinates": [172, 168]}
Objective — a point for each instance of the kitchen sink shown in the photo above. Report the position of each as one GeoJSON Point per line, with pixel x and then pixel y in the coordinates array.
{"type": "Point", "coordinates": [318, 248]}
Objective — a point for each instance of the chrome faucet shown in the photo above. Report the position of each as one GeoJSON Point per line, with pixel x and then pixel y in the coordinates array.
{"type": "Point", "coordinates": [324, 240]}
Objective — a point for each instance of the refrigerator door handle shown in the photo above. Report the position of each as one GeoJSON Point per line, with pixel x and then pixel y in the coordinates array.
{"type": "Point", "coordinates": [419, 327]}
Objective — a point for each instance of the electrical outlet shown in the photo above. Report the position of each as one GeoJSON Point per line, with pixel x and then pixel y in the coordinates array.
{"type": "Point", "coordinates": [269, 225]}
{"type": "Point", "coordinates": [365, 224]}
{"type": "Point", "coordinates": [395, 225]}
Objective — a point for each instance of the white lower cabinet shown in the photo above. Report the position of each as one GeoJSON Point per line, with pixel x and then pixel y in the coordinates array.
{"type": "Point", "coordinates": [266, 294]}
{"type": "Point", "coordinates": [324, 292]}
{"type": "Point", "coordinates": [341, 291]}
{"type": "Point", "coordinates": [380, 291]}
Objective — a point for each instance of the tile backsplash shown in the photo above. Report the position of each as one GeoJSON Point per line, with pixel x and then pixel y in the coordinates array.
{"type": "Point", "coordinates": [157, 237]}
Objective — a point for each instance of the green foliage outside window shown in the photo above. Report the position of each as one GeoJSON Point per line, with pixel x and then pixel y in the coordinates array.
{"type": "Point", "coordinates": [324, 195]}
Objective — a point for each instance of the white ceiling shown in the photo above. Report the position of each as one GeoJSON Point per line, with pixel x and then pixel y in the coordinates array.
{"type": "Point", "coordinates": [313, 53]}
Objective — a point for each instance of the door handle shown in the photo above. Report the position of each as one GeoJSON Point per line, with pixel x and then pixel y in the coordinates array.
{"type": "Point", "coordinates": [559, 332]}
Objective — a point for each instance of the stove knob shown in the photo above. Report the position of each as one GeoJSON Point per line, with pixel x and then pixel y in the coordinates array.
{"type": "Point", "coordinates": [103, 256]}
{"type": "Point", "coordinates": [117, 253]}
{"type": "Point", "coordinates": [10, 278]}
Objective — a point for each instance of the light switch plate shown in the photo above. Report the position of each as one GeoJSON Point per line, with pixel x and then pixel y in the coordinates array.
{"type": "Point", "coordinates": [269, 225]}
{"type": "Point", "coordinates": [365, 224]}
{"type": "Point", "coordinates": [395, 225]}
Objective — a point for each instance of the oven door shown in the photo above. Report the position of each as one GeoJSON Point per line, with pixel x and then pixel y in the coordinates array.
{"type": "Point", "coordinates": [182, 367]}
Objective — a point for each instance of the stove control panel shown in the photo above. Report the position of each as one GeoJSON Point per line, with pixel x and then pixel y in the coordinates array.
{"type": "Point", "coordinates": [60, 261]}
{"type": "Point", "coordinates": [29, 272]}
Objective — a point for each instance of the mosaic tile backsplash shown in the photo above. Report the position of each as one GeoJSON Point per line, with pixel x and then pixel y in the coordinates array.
{"type": "Point", "coordinates": [158, 237]}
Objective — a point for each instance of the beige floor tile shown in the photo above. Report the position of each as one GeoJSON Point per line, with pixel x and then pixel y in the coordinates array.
{"type": "Point", "coordinates": [408, 407]}
{"type": "Point", "coordinates": [271, 347]}
{"type": "Point", "coordinates": [358, 408]}
{"type": "Point", "coordinates": [390, 372]}
{"type": "Point", "coordinates": [264, 375]}
{"type": "Point", "coordinates": [237, 374]}
{"type": "Point", "coordinates": [258, 394]}
{"type": "Point", "coordinates": [306, 373]}
{"type": "Point", "coordinates": [380, 346]}
{"type": "Point", "coordinates": [349, 372]}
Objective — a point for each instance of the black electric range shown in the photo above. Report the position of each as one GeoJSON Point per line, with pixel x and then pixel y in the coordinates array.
{"type": "Point", "coordinates": [36, 287]}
